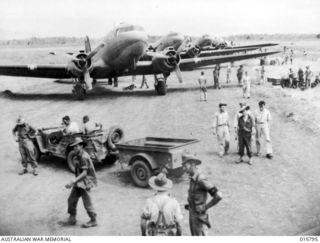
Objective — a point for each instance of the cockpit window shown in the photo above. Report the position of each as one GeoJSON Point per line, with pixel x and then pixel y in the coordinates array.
{"type": "Point", "coordinates": [129, 28]}
{"type": "Point", "coordinates": [172, 34]}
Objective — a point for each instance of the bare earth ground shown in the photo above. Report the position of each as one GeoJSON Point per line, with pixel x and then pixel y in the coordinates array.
{"type": "Point", "coordinates": [272, 197]}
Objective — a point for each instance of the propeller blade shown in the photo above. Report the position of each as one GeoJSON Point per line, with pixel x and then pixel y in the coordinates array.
{"type": "Point", "coordinates": [91, 54]}
{"type": "Point", "coordinates": [178, 73]}
{"type": "Point", "coordinates": [87, 80]}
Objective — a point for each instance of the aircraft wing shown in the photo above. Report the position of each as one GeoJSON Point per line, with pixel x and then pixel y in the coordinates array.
{"type": "Point", "coordinates": [55, 71]}
{"type": "Point", "coordinates": [191, 63]}
{"type": "Point", "coordinates": [257, 46]}
{"type": "Point", "coordinates": [219, 52]}
{"type": "Point", "coordinates": [147, 67]}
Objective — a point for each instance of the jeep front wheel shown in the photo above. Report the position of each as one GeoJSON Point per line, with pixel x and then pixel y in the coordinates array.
{"type": "Point", "coordinates": [71, 160]}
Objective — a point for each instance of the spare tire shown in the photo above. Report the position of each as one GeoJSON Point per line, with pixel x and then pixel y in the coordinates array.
{"type": "Point", "coordinates": [115, 135]}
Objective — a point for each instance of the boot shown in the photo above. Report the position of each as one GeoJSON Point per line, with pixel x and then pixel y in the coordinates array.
{"type": "Point", "coordinates": [250, 161]}
{"type": "Point", "coordinates": [240, 160]}
{"type": "Point", "coordinates": [70, 221]}
{"type": "Point", "coordinates": [35, 173]}
{"type": "Point", "coordinates": [91, 223]}
{"type": "Point", "coordinates": [24, 171]}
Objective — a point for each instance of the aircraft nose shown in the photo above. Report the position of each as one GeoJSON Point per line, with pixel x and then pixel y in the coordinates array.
{"type": "Point", "coordinates": [136, 37]}
{"type": "Point", "coordinates": [178, 40]}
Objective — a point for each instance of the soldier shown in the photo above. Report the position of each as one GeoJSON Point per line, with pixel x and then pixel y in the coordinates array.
{"type": "Point", "coordinates": [85, 179]}
{"type": "Point", "coordinates": [236, 120]}
{"type": "Point", "coordinates": [144, 82]}
{"type": "Point", "coordinates": [246, 85]}
{"type": "Point", "coordinates": [291, 56]}
{"type": "Point", "coordinates": [197, 197]}
{"type": "Point", "coordinates": [245, 130]}
{"type": "Point", "coordinates": [291, 76]}
{"type": "Point", "coordinates": [240, 74]}
{"type": "Point", "coordinates": [221, 128]}
{"type": "Point", "coordinates": [262, 120]}
{"type": "Point", "coordinates": [161, 214]}
{"type": "Point", "coordinates": [228, 73]}
{"type": "Point", "coordinates": [89, 126]}
{"type": "Point", "coordinates": [308, 74]}
{"type": "Point", "coordinates": [300, 77]}
{"type": "Point", "coordinates": [22, 132]}
{"type": "Point", "coordinates": [216, 73]}
{"type": "Point", "coordinates": [69, 126]}
{"type": "Point", "coordinates": [262, 74]}
{"type": "Point", "coordinates": [203, 86]}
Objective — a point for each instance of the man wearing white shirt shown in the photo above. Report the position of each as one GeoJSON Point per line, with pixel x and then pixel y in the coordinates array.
{"type": "Point", "coordinates": [246, 85]}
{"type": "Point", "coordinates": [70, 127]}
{"type": "Point", "coordinates": [221, 128]}
{"type": "Point", "coordinates": [262, 120]}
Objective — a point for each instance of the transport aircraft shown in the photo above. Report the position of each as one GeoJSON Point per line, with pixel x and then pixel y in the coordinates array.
{"type": "Point", "coordinates": [120, 54]}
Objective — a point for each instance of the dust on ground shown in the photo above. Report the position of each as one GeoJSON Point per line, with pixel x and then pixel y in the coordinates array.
{"type": "Point", "coordinates": [271, 197]}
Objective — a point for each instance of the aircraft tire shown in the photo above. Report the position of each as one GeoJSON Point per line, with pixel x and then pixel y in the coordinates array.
{"type": "Point", "coordinates": [161, 87]}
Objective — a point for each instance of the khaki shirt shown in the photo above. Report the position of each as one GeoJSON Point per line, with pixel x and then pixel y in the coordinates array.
{"type": "Point", "coordinates": [262, 117]}
{"type": "Point", "coordinates": [169, 206]}
{"type": "Point", "coordinates": [83, 162]}
{"type": "Point", "coordinates": [202, 81]}
{"type": "Point", "coordinates": [220, 119]}
{"type": "Point", "coordinates": [246, 81]}
{"type": "Point", "coordinates": [23, 131]}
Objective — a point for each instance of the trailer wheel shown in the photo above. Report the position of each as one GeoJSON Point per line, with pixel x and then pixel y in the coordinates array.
{"type": "Point", "coordinates": [115, 135]}
{"type": "Point", "coordinates": [70, 160]}
{"type": "Point", "coordinates": [140, 173]}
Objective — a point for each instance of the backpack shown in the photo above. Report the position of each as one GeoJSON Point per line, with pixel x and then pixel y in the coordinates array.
{"type": "Point", "coordinates": [161, 227]}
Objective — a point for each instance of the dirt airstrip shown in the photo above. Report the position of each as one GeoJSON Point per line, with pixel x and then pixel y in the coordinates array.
{"type": "Point", "coordinates": [271, 197]}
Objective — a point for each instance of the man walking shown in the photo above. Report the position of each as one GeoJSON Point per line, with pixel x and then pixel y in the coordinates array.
{"type": "Point", "coordinates": [144, 82]}
{"type": "Point", "coordinates": [240, 75]}
{"type": "Point", "coordinates": [246, 85]}
{"type": "Point", "coordinates": [22, 132]}
{"type": "Point", "coordinates": [199, 189]}
{"type": "Point", "coordinates": [85, 179]}
{"type": "Point", "coordinates": [203, 86]}
{"type": "Point", "coordinates": [216, 73]}
{"type": "Point", "coordinates": [308, 74]}
{"type": "Point", "coordinates": [221, 128]}
{"type": "Point", "coordinates": [262, 74]}
{"type": "Point", "coordinates": [262, 120]}
{"type": "Point", "coordinates": [228, 73]}
{"type": "Point", "coordinates": [245, 130]}
{"type": "Point", "coordinates": [161, 214]}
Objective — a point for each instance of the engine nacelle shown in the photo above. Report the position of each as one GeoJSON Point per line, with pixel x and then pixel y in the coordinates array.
{"type": "Point", "coordinates": [164, 65]}
{"type": "Point", "coordinates": [193, 51]}
{"type": "Point", "coordinates": [79, 64]}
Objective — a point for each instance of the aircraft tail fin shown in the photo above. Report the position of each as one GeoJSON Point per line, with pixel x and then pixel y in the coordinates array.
{"type": "Point", "coordinates": [87, 44]}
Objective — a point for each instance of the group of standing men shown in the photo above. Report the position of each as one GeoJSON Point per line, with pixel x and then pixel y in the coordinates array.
{"type": "Point", "coordinates": [301, 78]}
{"type": "Point", "coordinates": [162, 215]}
{"type": "Point", "coordinates": [246, 125]}
{"type": "Point", "coordinates": [244, 80]}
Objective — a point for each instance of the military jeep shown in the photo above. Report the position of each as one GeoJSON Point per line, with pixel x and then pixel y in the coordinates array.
{"type": "Point", "coordinates": [100, 144]}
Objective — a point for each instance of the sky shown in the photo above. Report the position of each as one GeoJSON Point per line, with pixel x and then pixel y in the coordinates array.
{"type": "Point", "coordinates": [43, 18]}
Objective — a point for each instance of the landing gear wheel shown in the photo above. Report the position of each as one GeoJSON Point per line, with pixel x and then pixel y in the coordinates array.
{"type": "Point", "coordinates": [79, 92]}
{"type": "Point", "coordinates": [71, 160]}
{"type": "Point", "coordinates": [140, 173]}
{"type": "Point", "coordinates": [161, 86]}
